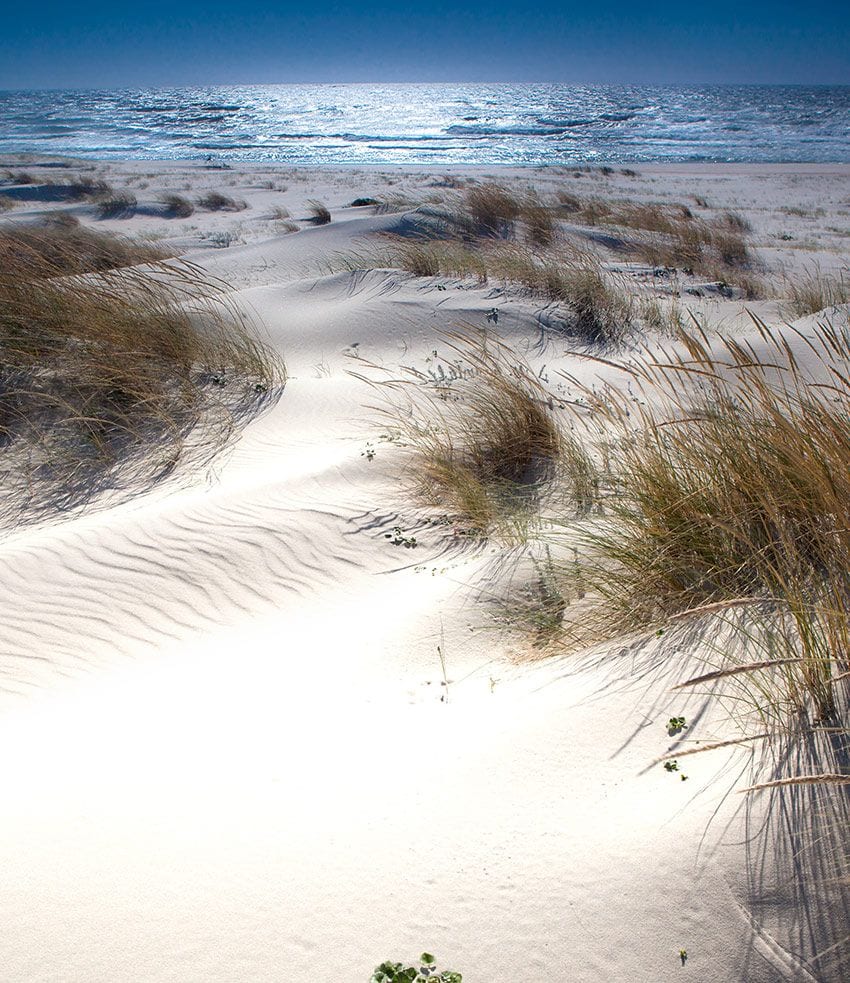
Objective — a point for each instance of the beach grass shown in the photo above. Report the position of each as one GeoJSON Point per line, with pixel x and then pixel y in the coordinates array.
{"type": "Point", "coordinates": [176, 206]}
{"type": "Point", "coordinates": [815, 291]}
{"type": "Point", "coordinates": [481, 431]}
{"type": "Point", "coordinates": [319, 214]}
{"type": "Point", "coordinates": [112, 372]}
{"type": "Point", "coordinates": [727, 487]}
{"type": "Point", "coordinates": [215, 201]}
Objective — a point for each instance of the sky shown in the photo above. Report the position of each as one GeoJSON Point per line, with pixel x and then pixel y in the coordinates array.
{"type": "Point", "coordinates": [152, 42]}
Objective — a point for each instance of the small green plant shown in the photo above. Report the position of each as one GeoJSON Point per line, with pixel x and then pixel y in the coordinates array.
{"type": "Point", "coordinates": [672, 766]}
{"type": "Point", "coordinates": [683, 955]}
{"type": "Point", "coordinates": [392, 972]}
{"type": "Point", "coordinates": [397, 538]}
{"type": "Point", "coordinates": [675, 725]}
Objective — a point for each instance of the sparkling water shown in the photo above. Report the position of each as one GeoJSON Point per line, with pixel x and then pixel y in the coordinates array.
{"type": "Point", "coordinates": [436, 124]}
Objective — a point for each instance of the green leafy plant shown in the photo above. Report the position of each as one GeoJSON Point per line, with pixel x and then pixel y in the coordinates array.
{"type": "Point", "coordinates": [675, 725]}
{"type": "Point", "coordinates": [426, 969]}
{"type": "Point", "coordinates": [672, 766]}
{"type": "Point", "coordinates": [397, 538]}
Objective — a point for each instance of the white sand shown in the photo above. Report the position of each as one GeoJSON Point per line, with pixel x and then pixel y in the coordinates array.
{"type": "Point", "coordinates": [226, 753]}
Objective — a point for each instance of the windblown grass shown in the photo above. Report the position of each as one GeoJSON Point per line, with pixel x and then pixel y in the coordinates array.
{"type": "Point", "coordinates": [815, 291]}
{"type": "Point", "coordinates": [111, 374]}
{"type": "Point", "coordinates": [731, 487]}
{"type": "Point", "coordinates": [20, 177]}
{"type": "Point", "coordinates": [83, 187]}
{"type": "Point", "coordinates": [121, 204]}
{"type": "Point", "coordinates": [63, 247]}
{"type": "Point", "coordinates": [482, 433]}
{"type": "Point", "coordinates": [670, 236]}
{"type": "Point", "coordinates": [176, 206]}
{"type": "Point", "coordinates": [492, 209]}
{"type": "Point", "coordinates": [215, 201]}
{"type": "Point", "coordinates": [319, 214]}
{"type": "Point", "coordinates": [597, 310]}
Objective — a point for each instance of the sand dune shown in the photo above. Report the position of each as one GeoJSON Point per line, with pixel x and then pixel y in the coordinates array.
{"type": "Point", "coordinates": [227, 754]}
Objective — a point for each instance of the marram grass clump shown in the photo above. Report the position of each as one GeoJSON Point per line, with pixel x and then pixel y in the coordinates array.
{"type": "Point", "coordinates": [728, 487]}
{"type": "Point", "coordinates": [480, 428]}
{"type": "Point", "coordinates": [112, 374]}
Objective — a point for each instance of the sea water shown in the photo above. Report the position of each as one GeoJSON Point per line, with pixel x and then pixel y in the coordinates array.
{"type": "Point", "coordinates": [435, 124]}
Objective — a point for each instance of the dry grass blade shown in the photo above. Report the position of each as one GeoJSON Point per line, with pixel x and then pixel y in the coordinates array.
{"type": "Point", "coordinates": [714, 746]}
{"type": "Point", "coordinates": [709, 677]}
{"type": "Point", "coordinates": [827, 779]}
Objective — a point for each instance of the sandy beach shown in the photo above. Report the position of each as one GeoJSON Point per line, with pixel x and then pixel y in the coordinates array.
{"type": "Point", "coordinates": [272, 718]}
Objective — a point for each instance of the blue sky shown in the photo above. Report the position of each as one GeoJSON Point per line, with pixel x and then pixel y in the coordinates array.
{"type": "Point", "coordinates": [99, 44]}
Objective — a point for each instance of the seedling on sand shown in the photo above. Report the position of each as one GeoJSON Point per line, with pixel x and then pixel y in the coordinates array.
{"type": "Point", "coordinates": [675, 725]}
{"type": "Point", "coordinates": [426, 969]}
{"type": "Point", "coordinates": [672, 766]}
{"type": "Point", "coordinates": [397, 538]}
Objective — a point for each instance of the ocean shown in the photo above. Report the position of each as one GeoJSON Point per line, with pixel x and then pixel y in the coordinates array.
{"type": "Point", "coordinates": [435, 124]}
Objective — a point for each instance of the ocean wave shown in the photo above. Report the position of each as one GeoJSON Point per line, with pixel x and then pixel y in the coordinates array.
{"type": "Point", "coordinates": [502, 131]}
{"type": "Point", "coordinates": [565, 124]}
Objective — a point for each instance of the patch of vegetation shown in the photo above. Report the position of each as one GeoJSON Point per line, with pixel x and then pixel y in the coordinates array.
{"type": "Point", "coordinates": [121, 204]}
{"type": "Point", "coordinates": [176, 206]}
{"type": "Point", "coordinates": [815, 291]}
{"type": "Point", "coordinates": [319, 214]}
{"type": "Point", "coordinates": [110, 379]}
{"type": "Point", "coordinates": [734, 496]}
{"type": "Point", "coordinates": [424, 971]}
{"type": "Point", "coordinates": [483, 436]}
{"type": "Point", "coordinates": [215, 201]}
